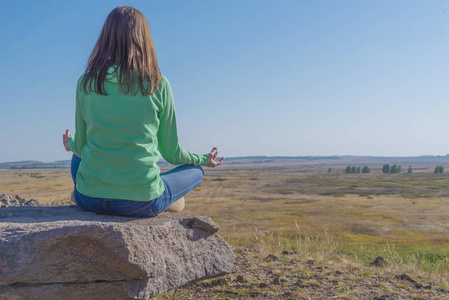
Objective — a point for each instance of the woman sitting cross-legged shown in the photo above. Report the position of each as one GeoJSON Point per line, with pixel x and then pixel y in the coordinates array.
{"type": "Point", "coordinates": [125, 119]}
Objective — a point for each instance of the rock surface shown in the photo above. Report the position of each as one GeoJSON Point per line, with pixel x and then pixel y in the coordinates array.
{"type": "Point", "coordinates": [65, 253]}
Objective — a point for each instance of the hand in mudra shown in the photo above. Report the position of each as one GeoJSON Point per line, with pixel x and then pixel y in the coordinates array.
{"type": "Point", "coordinates": [64, 139]}
{"type": "Point", "coordinates": [212, 158]}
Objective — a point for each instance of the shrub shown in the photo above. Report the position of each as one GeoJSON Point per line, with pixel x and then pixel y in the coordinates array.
{"type": "Point", "coordinates": [366, 169]}
{"type": "Point", "coordinates": [439, 170]}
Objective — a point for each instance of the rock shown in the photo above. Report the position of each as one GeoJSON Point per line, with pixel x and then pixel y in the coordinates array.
{"type": "Point", "coordinates": [65, 253]}
{"type": "Point", "coordinates": [379, 262]}
{"type": "Point", "coordinates": [14, 202]}
{"type": "Point", "coordinates": [256, 295]}
{"type": "Point", "coordinates": [386, 297]}
{"type": "Point", "coordinates": [223, 281]}
{"type": "Point", "coordinates": [242, 251]}
{"type": "Point", "coordinates": [20, 199]}
{"type": "Point", "coordinates": [241, 279]}
{"type": "Point", "coordinates": [271, 257]}
{"type": "Point", "coordinates": [276, 280]}
{"type": "Point", "coordinates": [285, 252]}
{"type": "Point", "coordinates": [405, 277]}
{"type": "Point", "coordinates": [202, 222]}
{"type": "Point", "coordinates": [310, 262]}
{"type": "Point", "coordinates": [215, 282]}
{"type": "Point", "coordinates": [32, 202]}
{"type": "Point", "coordinates": [5, 200]}
{"type": "Point", "coordinates": [220, 281]}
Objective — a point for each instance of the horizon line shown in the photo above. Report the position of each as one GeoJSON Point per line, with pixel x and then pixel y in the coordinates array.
{"type": "Point", "coordinates": [265, 156]}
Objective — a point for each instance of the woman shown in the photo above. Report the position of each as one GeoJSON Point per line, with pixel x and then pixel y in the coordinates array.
{"type": "Point", "coordinates": [125, 118]}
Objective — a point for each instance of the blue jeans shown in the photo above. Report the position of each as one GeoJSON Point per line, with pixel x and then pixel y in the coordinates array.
{"type": "Point", "coordinates": [178, 182]}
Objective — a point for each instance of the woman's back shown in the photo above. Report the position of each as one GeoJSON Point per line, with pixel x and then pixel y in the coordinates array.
{"type": "Point", "coordinates": [121, 151]}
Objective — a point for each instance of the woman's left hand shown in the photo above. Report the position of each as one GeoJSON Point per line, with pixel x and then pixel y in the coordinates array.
{"type": "Point", "coordinates": [65, 136]}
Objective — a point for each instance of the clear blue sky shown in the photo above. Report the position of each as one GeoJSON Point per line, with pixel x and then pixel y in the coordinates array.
{"type": "Point", "coordinates": [250, 77]}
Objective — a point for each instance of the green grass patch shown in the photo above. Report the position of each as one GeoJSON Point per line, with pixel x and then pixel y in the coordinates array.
{"type": "Point", "coordinates": [413, 186]}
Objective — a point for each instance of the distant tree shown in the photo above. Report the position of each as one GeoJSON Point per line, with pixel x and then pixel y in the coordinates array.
{"type": "Point", "coordinates": [394, 169]}
{"type": "Point", "coordinates": [386, 169]}
{"type": "Point", "coordinates": [409, 170]}
{"type": "Point", "coordinates": [329, 170]}
{"type": "Point", "coordinates": [366, 169]}
{"type": "Point", "coordinates": [348, 170]}
{"type": "Point", "coordinates": [353, 170]}
{"type": "Point", "coordinates": [399, 169]}
{"type": "Point", "coordinates": [358, 170]}
{"type": "Point", "coordinates": [438, 170]}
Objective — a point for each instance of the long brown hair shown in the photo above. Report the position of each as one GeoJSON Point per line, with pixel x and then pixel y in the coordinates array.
{"type": "Point", "coordinates": [124, 41]}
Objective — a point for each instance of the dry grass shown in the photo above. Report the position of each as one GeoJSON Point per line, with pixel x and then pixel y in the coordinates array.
{"type": "Point", "coordinates": [45, 185]}
{"type": "Point", "coordinates": [410, 233]}
{"type": "Point", "coordinates": [337, 220]}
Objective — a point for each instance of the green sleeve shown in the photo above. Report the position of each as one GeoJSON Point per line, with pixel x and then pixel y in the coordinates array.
{"type": "Point", "coordinates": [167, 134]}
{"type": "Point", "coordinates": [76, 143]}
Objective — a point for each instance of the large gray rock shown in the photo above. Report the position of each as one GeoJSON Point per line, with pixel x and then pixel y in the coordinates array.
{"type": "Point", "coordinates": [65, 253]}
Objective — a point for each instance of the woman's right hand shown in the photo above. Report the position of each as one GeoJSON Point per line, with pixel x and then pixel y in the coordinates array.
{"type": "Point", "coordinates": [212, 158]}
{"type": "Point", "coordinates": [65, 136]}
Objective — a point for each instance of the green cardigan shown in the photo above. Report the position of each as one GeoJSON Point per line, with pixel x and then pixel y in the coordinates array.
{"type": "Point", "coordinates": [120, 138]}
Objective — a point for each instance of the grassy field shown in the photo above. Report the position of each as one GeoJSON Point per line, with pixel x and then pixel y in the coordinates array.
{"type": "Point", "coordinates": [331, 217]}
{"type": "Point", "coordinates": [49, 186]}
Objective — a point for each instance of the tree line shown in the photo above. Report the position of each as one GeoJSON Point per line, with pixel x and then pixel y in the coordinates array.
{"type": "Point", "coordinates": [357, 170]}
{"type": "Point", "coordinates": [386, 169]}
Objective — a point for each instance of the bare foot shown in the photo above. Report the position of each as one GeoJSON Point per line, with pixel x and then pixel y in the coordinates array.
{"type": "Point", "coordinates": [177, 206]}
